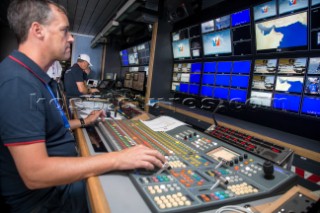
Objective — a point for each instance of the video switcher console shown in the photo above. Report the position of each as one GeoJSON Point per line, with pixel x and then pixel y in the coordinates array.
{"type": "Point", "coordinates": [205, 173]}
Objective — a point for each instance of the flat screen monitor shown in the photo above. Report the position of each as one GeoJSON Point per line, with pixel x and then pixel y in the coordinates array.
{"type": "Point", "coordinates": [206, 91]}
{"type": "Point", "coordinates": [194, 89]}
{"type": "Point", "coordinates": [286, 6]}
{"type": "Point", "coordinates": [217, 43]}
{"type": "Point", "coordinates": [208, 79]}
{"type": "Point", "coordinates": [194, 31]}
{"type": "Point", "coordinates": [175, 86]}
{"type": "Point", "coordinates": [195, 43]}
{"type": "Point", "coordinates": [181, 49]}
{"type": "Point", "coordinates": [110, 76]}
{"type": "Point", "coordinates": [240, 18]}
{"type": "Point", "coordinates": [263, 82]}
{"type": "Point", "coordinates": [243, 67]}
{"type": "Point", "coordinates": [242, 48]}
{"type": "Point", "coordinates": [196, 67]}
{"type": "Point", "coordinates": [292, 65]}
{"type": "Point", "coordinates": [207, 26]}
{"type": "Point", "coordinates": [314, 66]}
{"type": "Point", "coordinates": [185, 77]}
{"type": "Point", "coordinates": [195, 78]}
{"type": "Point", "coordinates": [240, 81]}
{"type": "Point", "coordinates": [175, 36]}
{"type": "Point", "coordinates": [224, 67]}
{"type": "Point", "coordinates": [315, 2]}
{"type": "Point", "coordinates": [184, 33]}
{"type": "Point", "coordinates": [222, 80]}
{"type": "Point", "coordinates": [222, 22]}
{"type": "Point", "coordinates": [312, 85]}
{"type": "Point", "coordinates": [310, 106]}
{"type": "Point", "coordinates": [124, 58]}
{"type": "Point", "coordinates": [241, 33]}
{"type": "Point", "coordinates": [265, 10]}
{"type": "Point", "coordinates": [315, 39]}
{"type": "Point", "coordinates": [133, 58]}
{"type": "Point", "coordinates": [286, 102]}
{"type": "Point", "coordinates": [209, 66]}
{"type": "Point", "coordinates": [184, 88]}
{"type": "Point", "coordinates": [261, 98]}
{"type": "Point", "coordinates": [280, 34]}
{"type": "Point", "coordinates": [265, 65]}
{"type": "Point", "coordinates": [289, 84]}
{"type": "Point", "coordinates": [315, 17]}
{"type": "Point", "coordinates": [238, 95]}
{"type": "Point", "coordinates": [127, 76]}
{"type": "Point", "coordinates": [221, 93]}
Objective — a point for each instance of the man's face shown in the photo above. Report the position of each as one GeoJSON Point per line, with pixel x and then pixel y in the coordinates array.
{"type": "Point", "coordinates": [58, 39]}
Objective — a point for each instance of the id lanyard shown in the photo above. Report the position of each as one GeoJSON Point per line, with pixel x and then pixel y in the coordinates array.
{"type": "Point", "coordinates": [63, 116]}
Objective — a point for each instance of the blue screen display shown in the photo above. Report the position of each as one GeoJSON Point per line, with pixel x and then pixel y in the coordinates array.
{"type": "Point", "coordinates": [124, 58]}
{"type": "Point", "coordinates": [315, 2]}
{"type": "Point", "coordinates": [194, 89]}
{"type": "Point", "coordinates": [286, 6]}
{"type": "Point", "coordinates": [195, 78]}
{"type": "Point", "coordinates": [181, 48]}
{"type": "Point", "coordinates": [241, 17]}
{"type": "Point", "coordinates": [224, 67]}
{"type": "Point", "coordinates": [238, 95]}
{"type": "Point", "coordinates": [222, 80]}
{"type": "Point", "coordinates": [217, 43]}
{"type": "Point", "coordinates": [196, 67]}
{"type": "Point", "coordinates": [184, 88]}
{"type": "Point", "coordinates": [286, 102]}
{"type": "Point", "coordinates": [222, 93]}
{"type": "Point", "coordinates": [222, 22]}
{"type": "Point", "coordinates": [240, 81]}
{"type": "Point", "coordinates": [265, 10]}
{"type": "Point", "coordinates": [209, 67]}
{"type": "Point", "coordinates": [206, 91]}
{"type": "Point", "coordinates": [289, 84]}
{"type": "Point", "coordinates": [241, 67]}
{"type": "Point", "coordinates": [207, 79]}
{"type": "Point", "coordinates": [311, 106]}
{"type": "Point", "coordinates": [283, 37]}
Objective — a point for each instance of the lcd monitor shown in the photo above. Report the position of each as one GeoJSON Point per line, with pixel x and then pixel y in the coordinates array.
{"type": "Point", "coordinates": [315, 39]}
{"type": "Point", "coordinates": [195, 78]}
{"type": "Point", "coordinates": [209, 66]}
{"type": "Point", "coordinates": [196, 67]}
{"type": "Point", "coordinates": [261, 98]}
{"type": "Point", "coordinates": [175, 36]}
{"type": "Point", "coordinates": [224, 67]}
{"type": "Point", "coordinates": [265, 10]}
{"type": "Point", "coordinates": [315, 17]}
{"type": "Point", "coordinates": [242, 48]}
{"type": "Point", "coordinates": [207, 26]}
{"type": "Point", "coordinates": [181, 49]}
{"type": "Point", "coordinates": [240, 81]}
{"type": "Point", "coordinates": [315, 2]}
{"type": "Point", "coordinates": [194, 31]}
{"type": "Point", "coordinates": [222, 22]}
{"type": "Point", "coordinates": [194, 89]}
{"type": "Point", "coordinates": [282, 34]}
{"type": "Point", "coordinates": [263, 82]}
{"type": "Point", "coordinates": [185, 77]}
{"type": "Point", "coordinates": [314, 66]}
{"type": "Point", "coordinates": [195, 43]}
{"type": "Point", "coordinates": [222, 80]}
{"type": "Point", "coordinates": [240, 18]}
{"type": "Point", "coordinates": [206, 91]}
{"type": "Point", "coordinates": [312, 86]}
{"type": "Point", "coordinates": [217, 43]}
{"type": "Point", "coordinates": [176, 77]}
{"type": "Point", "coordinates": [265, 65]}
{"type": "Point", "coordinates": [208, 79]}
{"type": "Point", "coordinates": [133, 58]}
{"type": "Point", "coordinates": [238, 95]}
{"type": "Point", "coordinates": [175, 86]}
{"type": "Point", "coordinates": [286, 6]}
{"type": "Point", "coordinates": [184, 88]}
{"type": "Point", "coordinates": [221, 93]}
{"type": "Point", "coordinates": [311, 105]}
{"type": "Point", "coordinates": [286, 102]}
{"type": "Point", "coordinates": [242, 67]}
{"type": "Point", "coordinates": [124, 58]}
{"type": "Point", "coordinates": [184, 33]}
{"type": "Point", "coordinates": [241, 33]}
{"type": "Point", "coordinates": [289, 84]}
{"type": "Point", "coordinates": [292, 65]}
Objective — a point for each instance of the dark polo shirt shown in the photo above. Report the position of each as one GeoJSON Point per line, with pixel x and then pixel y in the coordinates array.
{"type": "Point", "coordinates": [71, 77]}
{"type": "Point", "coordinates": [27, 115]}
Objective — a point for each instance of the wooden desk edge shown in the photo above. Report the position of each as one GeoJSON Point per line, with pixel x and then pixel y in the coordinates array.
{"type": "Point", "coordinates": [97, 199]}
{"type": "Point", "coordinates": [298, 150]}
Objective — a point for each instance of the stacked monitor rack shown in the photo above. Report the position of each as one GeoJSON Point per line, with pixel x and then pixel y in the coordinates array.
{"type": "Point", "coordinates": [205, 173]}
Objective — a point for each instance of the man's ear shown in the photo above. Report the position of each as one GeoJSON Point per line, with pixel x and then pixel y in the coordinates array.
{"type": "Point", "coordinates": [37, 30]}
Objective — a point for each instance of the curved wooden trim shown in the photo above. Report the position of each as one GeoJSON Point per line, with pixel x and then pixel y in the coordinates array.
{"type": "Point", "coordinates": [97, 199]}
{"type": "Point", "coordinates": [298, 150]}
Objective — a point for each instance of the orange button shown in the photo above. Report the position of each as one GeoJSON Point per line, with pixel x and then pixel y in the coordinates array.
{"type": "Point", "coordinates": [236, 168]}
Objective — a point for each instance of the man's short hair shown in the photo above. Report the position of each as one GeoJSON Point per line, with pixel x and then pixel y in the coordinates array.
{"type": "Point", "coordinates": [22, 13]}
